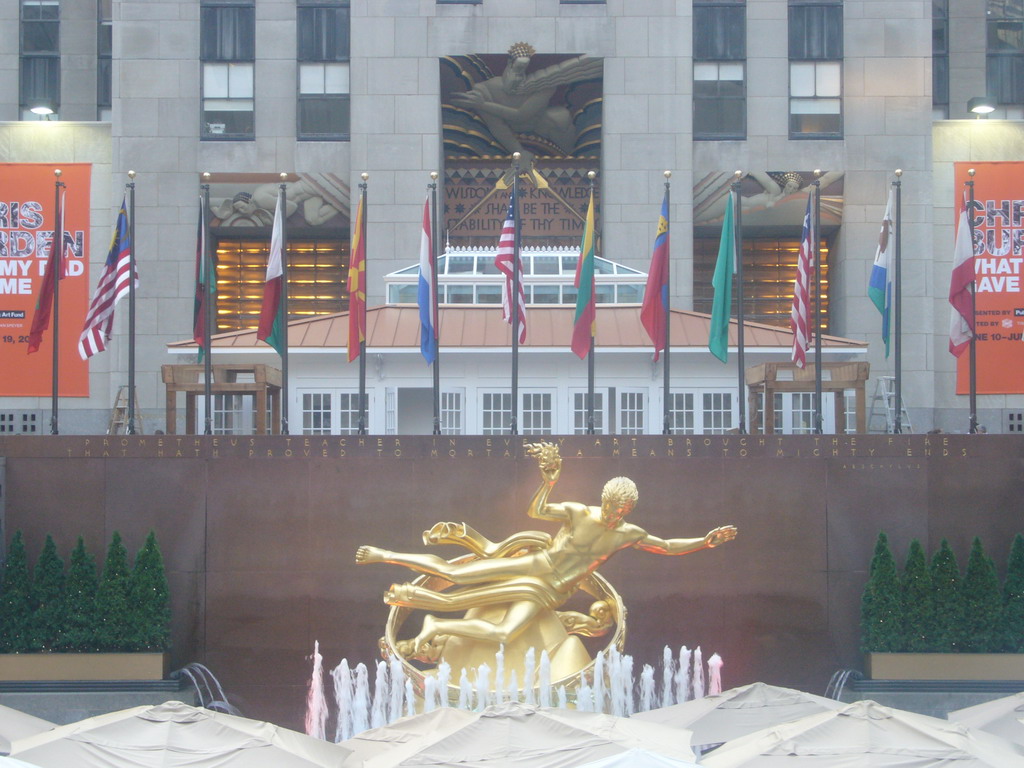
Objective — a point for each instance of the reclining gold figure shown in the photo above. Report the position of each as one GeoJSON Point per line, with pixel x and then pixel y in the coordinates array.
{"type": "Point", "coordinates": [529, 574]}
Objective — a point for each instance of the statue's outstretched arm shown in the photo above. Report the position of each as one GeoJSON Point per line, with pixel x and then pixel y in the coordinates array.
{"type": "Point", "coordinates": [550, 464]}
{"type": "Point", "coordinates": [715, 537]}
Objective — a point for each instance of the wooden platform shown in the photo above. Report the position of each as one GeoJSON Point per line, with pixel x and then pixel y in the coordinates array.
{"type": "Point", "coordinates": [261, 382]}
{"type": "Point", "coordinates": [769, 378]}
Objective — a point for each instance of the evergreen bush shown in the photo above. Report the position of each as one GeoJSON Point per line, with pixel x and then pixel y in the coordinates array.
{"type": "Point", "coordinates": [881, 624]}
{"type": "Point", "coordinates": [47, 623]}
{"type": "Point", "coordinates": [949, 621]}
{"type": "Point", "coordinates": [15, 599]}
{"type": "Point", "coordinates": [1011, 633]}
{"type": "Point", "coordinates": [917, 602]}
{"type": "Point", "coordinates": [150, 600]}
{"type": "Point", "coordinates": [112, 623]}
{"type": "Point", "coordinates": [80, 601]}
{"type": "Point", "coordinates": [982, 602]}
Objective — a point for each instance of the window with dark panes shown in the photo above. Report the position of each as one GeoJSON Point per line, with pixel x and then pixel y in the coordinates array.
{"type": "Point", "coordinates": [940, 54]}
{"type": "Point", "coordinates": [227, 46]}
{"type": "Point", "coordinates": [815, 69]}
{"type": "Point", "coordinates": [40, 56]}
{"type": "Point", "coordinates": [719, 69]}
{"type": "Point", "coordinates": [104, 61]}
{"type": "Point", "coordinates": [1005, 51]}
{"type": "Point", "coordinates": [323, 53]}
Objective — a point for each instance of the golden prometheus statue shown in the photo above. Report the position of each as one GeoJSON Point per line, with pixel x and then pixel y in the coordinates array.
{"type": "Point", "coordinates": [510, 591]}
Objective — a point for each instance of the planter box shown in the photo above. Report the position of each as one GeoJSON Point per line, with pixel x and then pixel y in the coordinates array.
{"type": "Point", "coordinates": [83, 666]}
{"type": "Point", "coordinates": [945, 666]}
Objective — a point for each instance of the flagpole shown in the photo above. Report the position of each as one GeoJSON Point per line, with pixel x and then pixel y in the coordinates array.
{"type": "Point", "coordinates": [434, 302]}
{"type": "Point", "coordinates": [514, 300]}
{"type": "Point", "coordinates": [818, 427]}
{"type": "Point", "coordinates": [130, 429]}
{"type": "Point", "coordinates": [283, 304]}
{"type": "Point", "coordinates": [58, 265]}
{"type": "Point", "coordinates": [738, 256]}
{"type": "Point", "coordinates": [666, 420]}
{"type": "Point", "coordinates": [973, 399]}
{"type": "Point", "coordinates": [897, 308]}
{"type": "Point", "coordinates": [590, 354]}
{"type": "Point", "coordinates": [362, 342]}
{"type": "Point", "coordinates": [208, 298]}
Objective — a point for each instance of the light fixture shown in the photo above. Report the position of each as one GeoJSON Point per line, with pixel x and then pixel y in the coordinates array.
{"type": "Point", "coordinates": [42, 107]}
{"type": "Point", "coordinates": [981, 105]}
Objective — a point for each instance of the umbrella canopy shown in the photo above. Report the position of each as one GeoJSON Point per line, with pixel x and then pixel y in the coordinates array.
{"type": "Point", "coordinates": [739, 711]}
{"type": "Point", "coordinates": [15, 724]}
{"type": "Point", "coordinates": [10, 762]}
{"type": "Point", "coordinates": [175, 734]}
{"type": "Point", "coordinates": [867, 735]}
{"type": "Point", "coordinates": [512, 735]}
{"type": "Point", "coordinates": [638, 758]}
{"type": "Point", "coordinates": [1004, 717]}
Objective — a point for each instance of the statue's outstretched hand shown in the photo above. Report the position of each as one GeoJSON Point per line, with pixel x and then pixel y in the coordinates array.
{"type": "Point", "coordinates": [548, 460]}
{"type": "Point", "coordinates": [720, 535]}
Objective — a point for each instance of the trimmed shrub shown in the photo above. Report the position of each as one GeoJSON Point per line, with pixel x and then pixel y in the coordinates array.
{"type": "Point", "coordinates": [1011, 624]}
{"type": "Point", "coordinates": [150, 600]}
{"type": "Point", "coordinates": [48, 621]}
{"type": "Point", "coordinates": [880, 620]}
{"type": "Point", "coordinates": [982, 601]}
{"type": "Point", "coordinates": [113, 627]}
{"type": "Point", "coordinates": [949, 614]}
{"type": "Point", "coordinates": [80, 601]}
{"type": "Point", "coordinates": [15, 599]}
{"type": "Point", "coordinates": [917, 602]}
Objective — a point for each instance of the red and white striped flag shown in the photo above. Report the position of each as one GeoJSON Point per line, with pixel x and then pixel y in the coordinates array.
{"type": "Point", "coordinates": [503, 261]}
{"type": "Point", "coordinates": [799, 315]}
{"type": "Point", "coordinates": [113, 284]}
{"type": "Point", "coordinates": [961, 319]}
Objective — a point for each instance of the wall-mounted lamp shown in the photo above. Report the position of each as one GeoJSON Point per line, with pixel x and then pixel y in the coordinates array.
{"type": "Point", "coordinates": [43, 108]}
{"type": "Point", "coordinates": [981, 105]}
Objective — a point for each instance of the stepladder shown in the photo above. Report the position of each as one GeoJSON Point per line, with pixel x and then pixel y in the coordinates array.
{"type": "Point", "coordinates": [119, 414]}
{"type": "Point", "coordinates": [884, 408]}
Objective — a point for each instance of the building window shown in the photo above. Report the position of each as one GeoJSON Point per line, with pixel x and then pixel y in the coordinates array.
{"type": "Point", "coordinates": [316, 270]}
{"type": "Point", "coordinates": [227, 45]}
{"type": "Point", "coordinates": [323, 53]}
{"type": "Point", "coordinates": [104, 61]}
{"type": "Point", "coordinates": [40, 58]}
{"type": "Point", "coordinates": [495, 413]}
{"type": "Point", "coordinates": [815, 69]}
{"type": "Point", "coordinates": [719, 64]}
{"type": "Point", "coordinates": [940, 56]}
{"type": "Point", "coordinates": [769, 274]}
{"type": "Point", "coordinates": [316, 413]}
{"type": "Point", "coordinates": [717, 412]}
{"type": "Point", "coordinates": [451, 413]}
{"type": "Point", "coordinates": [1005, 48]}
{"type": "Point", "coordinates": [681, 413]}
{"type": "Point", "coordinates": [536, 410]}
{"type": "Point", "coordinates": [631, 413]}
{"type": "Point", "coordinates": [579, 413]}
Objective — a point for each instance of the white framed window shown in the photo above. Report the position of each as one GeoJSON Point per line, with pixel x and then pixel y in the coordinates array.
{"type": "Point", "coordinates": [579, 412]}
{"type": "Point", "coordinates": [681, 414]}
{"type": "Point", "coordinates": [317, 413]}
{"type": "Point", "coordinates": [495, 413]}
{"type": "Point", "coordinates": [801, 413]}
{"type": "Point", "coordinates": [717, 412]}
{"type": "Point", "coordinates": [631, 411]}
{"type": "Point", "coordinates": [328, 411]}
{"type": "Point", "coordinates": [536, 413]}
{"type": "Point", "coordinates": [451, 413]}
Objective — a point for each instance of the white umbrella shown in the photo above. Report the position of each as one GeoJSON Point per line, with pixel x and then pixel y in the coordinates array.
{"type": "Point", "coordinates": [15, 724]}
{"type": "Point", "coordinates": [1004, 717]}
{"type": "Point", "coordinates": [10, 762]}
{"type": "Point", "coordinates": [867, 735]}
{"type": "Point", "coordinates": [637, 758]}
{"type": "Point", "coordinates": [739, 711]}
{"type": "Point", "coordinates": [511, 735]}
{"type": "Point", "coordinates": [174, 734]}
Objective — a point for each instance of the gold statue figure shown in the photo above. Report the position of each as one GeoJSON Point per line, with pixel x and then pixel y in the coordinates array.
{"type": "Point", "coordinates": [512, 588]}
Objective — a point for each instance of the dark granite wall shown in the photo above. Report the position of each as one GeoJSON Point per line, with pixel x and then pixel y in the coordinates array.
{"type": "Point", "coordinates": [259, 534]}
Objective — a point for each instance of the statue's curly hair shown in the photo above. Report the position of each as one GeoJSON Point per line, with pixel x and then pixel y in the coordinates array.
{"type": "Point", "coordinates": [620, 489]}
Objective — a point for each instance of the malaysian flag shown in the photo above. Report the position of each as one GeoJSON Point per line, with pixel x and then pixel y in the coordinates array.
{"type": "Point", "coordinates": [503, 261]}
{"type": "Point", "coordinates": [798, 315]}
{"type": "Point", "coordinates": [112, 286]}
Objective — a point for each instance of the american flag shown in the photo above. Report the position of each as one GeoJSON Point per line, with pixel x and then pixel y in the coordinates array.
{"type": "Point", "coordinates": [112, 286]}
{"type": "Point", "coordinates": [799, 314]}
{"type": "Point", "coordinates": [503, 261]}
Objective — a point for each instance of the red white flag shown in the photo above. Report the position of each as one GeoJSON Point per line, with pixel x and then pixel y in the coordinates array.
{"type": "Point", "coordinates": [961, 297]}
{"type": "Point", "coordinates": [56, 266]}
{"type": "Point", "coordinates": [113, 284]}
{"type": "Point", "coordinates": [800, 312]}
{"type": "Point", "coordinates": [503, 261]}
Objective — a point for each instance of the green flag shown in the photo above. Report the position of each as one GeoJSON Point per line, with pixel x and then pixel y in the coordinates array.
{"type": "Point", "coordinates": [718, 335]}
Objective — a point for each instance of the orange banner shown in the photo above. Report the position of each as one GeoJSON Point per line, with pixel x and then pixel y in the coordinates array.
{"type": "Point", "coordinates": [27, 218]}
{"type": "Point", "coordinates": [998, 217]}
